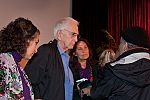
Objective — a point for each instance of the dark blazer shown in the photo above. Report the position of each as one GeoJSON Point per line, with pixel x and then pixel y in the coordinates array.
{"type": "Point", "coordinates": [46, 73]}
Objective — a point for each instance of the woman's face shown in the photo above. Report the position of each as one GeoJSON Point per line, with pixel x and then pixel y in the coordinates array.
{"type": "Point", "coordinates": [32, 48]}
{"type": "Point", "coordinates": [82, 51]}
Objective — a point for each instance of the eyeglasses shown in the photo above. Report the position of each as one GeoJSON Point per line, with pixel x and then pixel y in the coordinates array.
{"type": "Point", "coordinates": [73, 34]}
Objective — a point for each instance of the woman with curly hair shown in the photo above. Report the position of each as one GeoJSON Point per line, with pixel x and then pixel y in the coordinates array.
{"type": "Point", "coordinates": [18, 40]}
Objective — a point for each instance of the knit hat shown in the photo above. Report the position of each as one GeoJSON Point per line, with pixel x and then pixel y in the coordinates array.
{"type": "Point", "coordinates": [137, 36]}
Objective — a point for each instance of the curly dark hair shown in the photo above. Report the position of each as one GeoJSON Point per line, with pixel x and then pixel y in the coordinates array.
{"type": "Point", "coordinates": [16, 36]}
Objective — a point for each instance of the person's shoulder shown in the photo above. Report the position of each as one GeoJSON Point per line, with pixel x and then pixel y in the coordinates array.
{"type": "Point", "coordinates": [50, 44]}
{"type": "Point", "coordinates": [5, 55]}
{"type": "Point", "coordinates": [50, 47]}
{"type": "Point", "coordinates": [7, 58]}
{"type": "Point", "coordinates": [46, 45]}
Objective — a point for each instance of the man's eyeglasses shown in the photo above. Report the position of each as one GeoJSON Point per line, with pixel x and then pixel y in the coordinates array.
{"type": "Point", "coordinates": [73, 34]}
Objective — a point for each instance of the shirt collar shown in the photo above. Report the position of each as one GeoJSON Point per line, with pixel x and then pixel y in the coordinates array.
{"type": "Point", "coordinates": [60, 50]}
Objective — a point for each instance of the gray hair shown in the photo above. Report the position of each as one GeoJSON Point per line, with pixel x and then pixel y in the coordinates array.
{"type": "Point", "coordinates": [63, 24]}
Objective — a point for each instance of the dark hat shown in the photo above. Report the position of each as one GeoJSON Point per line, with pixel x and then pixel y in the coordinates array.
{"type": "Point", "coordinates": [137, 36]}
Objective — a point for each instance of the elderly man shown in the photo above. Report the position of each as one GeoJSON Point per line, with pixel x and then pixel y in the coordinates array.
{"type": "Point", "coordinates": [128, 77]}
{"type": "Point", "coordinates": [49, 70]}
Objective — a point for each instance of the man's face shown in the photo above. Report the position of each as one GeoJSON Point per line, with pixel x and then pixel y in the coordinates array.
{"type": "Point", "coordinates": [122, 46]}
{"type": "Point", "coordinates": [69, 36]}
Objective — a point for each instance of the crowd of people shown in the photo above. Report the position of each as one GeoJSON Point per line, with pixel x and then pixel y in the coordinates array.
{"type": "Point", "coordinates": [54, 69]}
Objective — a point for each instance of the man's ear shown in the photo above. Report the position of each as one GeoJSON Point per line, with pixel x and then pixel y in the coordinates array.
{"type": "Point", "coordinates": [59, 35]}
{"type": "Point", "coordinates": [125, 47]}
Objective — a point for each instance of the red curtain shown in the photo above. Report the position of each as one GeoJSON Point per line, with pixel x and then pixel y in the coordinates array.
{"type": "Point", "coordinates": [127, 13]}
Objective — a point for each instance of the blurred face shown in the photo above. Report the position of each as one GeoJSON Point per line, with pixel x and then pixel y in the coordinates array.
{"type": "Point", "coordinates": [82, 51]}
{"type": "Point", "coordinates": [32, 48]}
{"type": "Point", "coordinates": [122, 47]}
{"type": "Point", "coordinates": [68, 37]}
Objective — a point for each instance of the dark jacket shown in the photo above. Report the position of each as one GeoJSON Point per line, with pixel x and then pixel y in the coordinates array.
{"type": "Point", "coordinates": [76, 75]}
{"type": "Point", "coordinates": [127, 78]}
{"type": "Point", "coordinates": [46, 73]}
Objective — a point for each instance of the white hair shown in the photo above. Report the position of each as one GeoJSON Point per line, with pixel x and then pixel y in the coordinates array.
{"type": "Point", "coordinates": [63, 24]}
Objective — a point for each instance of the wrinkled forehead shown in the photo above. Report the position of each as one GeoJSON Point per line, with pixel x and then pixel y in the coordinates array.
{"type": "Point", "coordinates": [72, 26]}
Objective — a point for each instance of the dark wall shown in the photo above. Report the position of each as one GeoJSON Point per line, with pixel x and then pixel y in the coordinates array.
{"type": "Point", "coordinates": [92, 15]}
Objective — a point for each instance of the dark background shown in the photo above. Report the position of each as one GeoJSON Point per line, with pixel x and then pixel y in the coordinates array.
{"type": "Point", "coordinates": [92, 17]}
{"type": "Point", "coordinates": [111, 15]}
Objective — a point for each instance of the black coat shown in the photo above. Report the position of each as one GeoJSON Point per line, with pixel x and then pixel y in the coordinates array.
{"type": "Point", "coordinates": [127, 78]}
{"type": "Point", "coordinates": [76, 74]}
{"type": "Point", "coordinates": [46, 73]}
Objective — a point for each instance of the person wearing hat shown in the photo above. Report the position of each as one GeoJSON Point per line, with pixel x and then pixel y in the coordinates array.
{"type": "Point", "coordinates": [128, 77]}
